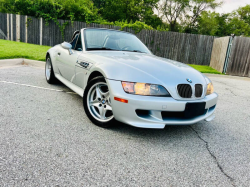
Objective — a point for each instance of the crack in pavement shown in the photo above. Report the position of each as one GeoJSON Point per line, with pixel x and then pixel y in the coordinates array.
{"type": "Point", "coordinates": [214, 157]}
{"type": "Point", "coordinates": [226, 84]}
{"type": "Point", "coordinates": [231, 91]}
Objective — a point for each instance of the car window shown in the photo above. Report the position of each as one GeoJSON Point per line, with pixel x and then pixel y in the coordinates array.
{"type": "Point", "coordinates": [96, 39]}
{"type": "Point", "coordinates": [73, 42]}
{"type": "Point", "coordinates": [123, 43]}
{"type": "Point", "coordinates": [78, 45]}
{"type": "Point", "coordinates": [101, 39]}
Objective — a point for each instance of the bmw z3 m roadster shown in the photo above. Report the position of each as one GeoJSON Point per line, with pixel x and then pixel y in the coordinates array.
{"type": "Point", "coordinates": [120, 79]}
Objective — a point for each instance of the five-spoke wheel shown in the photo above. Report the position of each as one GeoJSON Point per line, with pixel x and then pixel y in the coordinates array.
{"type": "Point", "coordinates": [97, 102]}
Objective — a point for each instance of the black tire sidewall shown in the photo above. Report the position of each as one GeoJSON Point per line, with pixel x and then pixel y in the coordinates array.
{"type": "Point", "coordinates": [85, 105]}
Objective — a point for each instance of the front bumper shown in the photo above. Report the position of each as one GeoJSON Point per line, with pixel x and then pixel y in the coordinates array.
{"type": "Point", "coordinates": [156, 106]}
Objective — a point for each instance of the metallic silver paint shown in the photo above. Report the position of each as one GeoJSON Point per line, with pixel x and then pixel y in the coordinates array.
{"type": "Point", "coordinates": [117, 66]}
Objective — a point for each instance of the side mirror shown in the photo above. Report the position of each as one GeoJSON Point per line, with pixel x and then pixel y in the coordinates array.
{"type": "Point", "coordinates": [68, 46]}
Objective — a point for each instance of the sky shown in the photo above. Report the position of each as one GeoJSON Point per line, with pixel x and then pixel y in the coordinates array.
{"type": "Point", "coordinates": [230, 5]}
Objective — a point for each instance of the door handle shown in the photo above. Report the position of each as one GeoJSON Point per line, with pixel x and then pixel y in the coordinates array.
{"type": "Point", "coordinates": [59, 54]}
{"type": "Point", "coordinates": [84, 64]}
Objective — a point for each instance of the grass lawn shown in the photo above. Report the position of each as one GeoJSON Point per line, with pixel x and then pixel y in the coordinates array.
{"type": "Point", "coordinates": [10, 49]}
{"type": "Point", "coordinates": [204, 69]}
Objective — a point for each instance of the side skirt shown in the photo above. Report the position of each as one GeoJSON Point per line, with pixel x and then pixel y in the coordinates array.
{"type": "Point", "coordinates": [70, 85]}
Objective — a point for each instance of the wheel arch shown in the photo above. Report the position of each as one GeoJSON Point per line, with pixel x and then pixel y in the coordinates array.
{"type": "Point", "coordinates": [94, 74]}
{"type": "Point", "coordinates": [51, 53]}
{"type": "Point", "coordinates": [47, 54]}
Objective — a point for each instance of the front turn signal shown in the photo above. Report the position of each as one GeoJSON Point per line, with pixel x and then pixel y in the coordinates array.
{"type": "Point", "coordinates": [210, 88]}
{"type": "Point", "coordinates": [121, 100]}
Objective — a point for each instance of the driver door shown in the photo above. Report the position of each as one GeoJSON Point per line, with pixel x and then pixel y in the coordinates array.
{"type": "Point", "coordinates": [67, 61]}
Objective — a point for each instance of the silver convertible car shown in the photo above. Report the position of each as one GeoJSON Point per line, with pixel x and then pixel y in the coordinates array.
{"type": "Point", "coordinates": [120, 79]}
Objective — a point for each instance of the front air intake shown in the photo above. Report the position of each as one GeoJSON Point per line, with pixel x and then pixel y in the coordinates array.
{"type": "Point", "coordinates": [184, 90]}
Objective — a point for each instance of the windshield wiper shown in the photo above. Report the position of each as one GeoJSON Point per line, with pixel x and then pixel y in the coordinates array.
{"type": "Point", "coordinates": [134, 51]}
{"type": "Point", "coordinates": [100, 48]}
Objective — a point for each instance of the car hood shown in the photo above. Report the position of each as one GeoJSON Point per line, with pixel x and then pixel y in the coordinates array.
{"type": "Point", "coordinates": [146, 68]}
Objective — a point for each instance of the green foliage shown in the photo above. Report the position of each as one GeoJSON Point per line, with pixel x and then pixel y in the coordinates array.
{"type": "Point", "coordinates": [155, 22]}
{"type": "Point", "coordinates": [81, 10]}
{"type": "Point", "coordinates": [238, 27]}
{"type": "Point", "coordinates": [182, 15]}
{"type": "Point", "coordinates": [119, 10]}
{"type": "Point", "coordinates": [136, 26]}
{"type": "Point", "coordinates": [189, 16]}
{"type": "Point", "coordinates": [208, 23]}
{"type": "Point", "coordinates": [204, 69]}
{"type": "Point", "coordinates": [238, 23]}
{"type": "Point", "coordinates": [243, 13]}
{"type": "Point", "coordinates": [28, 21]}
{"type": "Point", "coordinates": [75, 10]}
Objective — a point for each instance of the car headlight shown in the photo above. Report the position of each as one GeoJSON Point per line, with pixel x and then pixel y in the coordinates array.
{"type": "Point", "coordinates": [144, 89]}
{"type": "Point", "coordinates": [210, 88]}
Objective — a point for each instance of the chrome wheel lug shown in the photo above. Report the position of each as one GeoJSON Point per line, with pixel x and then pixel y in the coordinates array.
{"type": "Point", "coordinates": [99, 99]}
{"type": "Point", "coordinates": [100, 105]}
{"type": "Point", "coordinates": [104, 106]}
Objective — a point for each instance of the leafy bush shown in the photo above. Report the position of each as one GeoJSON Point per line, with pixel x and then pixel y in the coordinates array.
{"type": "Point", "coordinates": [74, 10]}
{"type": "Point", "coordinates": [136, 26]}
{"type": "Point", "coordinates": [80, 10]}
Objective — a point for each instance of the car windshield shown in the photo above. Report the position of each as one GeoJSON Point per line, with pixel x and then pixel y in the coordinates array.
{"type": "Point", "coordinates": [102, 39]}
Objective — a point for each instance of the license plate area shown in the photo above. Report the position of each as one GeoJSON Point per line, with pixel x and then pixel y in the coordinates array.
{"type": "Point", "coordinates": [194, 109]}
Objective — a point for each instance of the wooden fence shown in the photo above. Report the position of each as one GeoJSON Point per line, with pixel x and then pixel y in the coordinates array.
{"type": "Point", "coordinates": [239, 62]}
{"type": "Point", "coordinates": [185, 48]}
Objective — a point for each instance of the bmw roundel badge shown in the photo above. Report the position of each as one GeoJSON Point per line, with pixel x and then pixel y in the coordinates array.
{"type": "Point", "coordinates": [189, 80]}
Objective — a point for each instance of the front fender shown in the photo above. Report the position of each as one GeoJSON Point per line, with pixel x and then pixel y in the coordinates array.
{"type": "Point", "coordinates": [52, 52]}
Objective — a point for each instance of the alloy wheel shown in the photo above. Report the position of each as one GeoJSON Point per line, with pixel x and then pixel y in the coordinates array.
{"type": "Point", "coordinates": [98, 101]}
{"type": "Point", "coordinates": [48, 69]}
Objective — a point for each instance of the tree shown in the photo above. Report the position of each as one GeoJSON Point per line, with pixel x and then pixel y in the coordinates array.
{"type": "Point", "coordinates": [212, 23]}
{"type": "Point", "coordinates": [243, 13]}
{"type": "Point", "coordinates": [199, 6]}
{"type": "Point", "coordinates": [154, 21]}
{"type": "Point", "coordinates": [120, 10]}
{"type": "Point", "coordinates": [173, 11]}
{"type": "Point", "coordinates": [239, 21]}
{"type": "Point", "coordinates": [186, 12]}
{"type": "Point", "coordinates": [80, 10]}
{"type": "Point", "coordinates": [238, 27]}
{"type": "Point", "coordinates": [208, 23]}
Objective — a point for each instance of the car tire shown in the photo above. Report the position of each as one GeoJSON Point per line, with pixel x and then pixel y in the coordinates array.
{"type": "Point", "coordinates": [97, 103]}
{"type": "Point", "coordinates": [49, 72]}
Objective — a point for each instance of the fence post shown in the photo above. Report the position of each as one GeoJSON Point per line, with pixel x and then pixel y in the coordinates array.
{"type": "Point", "coordinates": [26, 29]}
{"type": "Point", "coordinates": [8, 27]}
{"type": "Point", "coordinates": [11, 27]}
{"type": "Point", "coordinates": [41, 31]}
{"type": "Point", "coordinates": [18, 28]}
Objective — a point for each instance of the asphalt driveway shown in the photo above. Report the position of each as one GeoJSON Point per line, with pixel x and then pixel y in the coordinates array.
{"type": "Point", "coordinates": [47, 140]}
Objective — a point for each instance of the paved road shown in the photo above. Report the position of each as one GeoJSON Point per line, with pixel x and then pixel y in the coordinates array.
{"type": "Point", "coordinates": [47, 140]}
